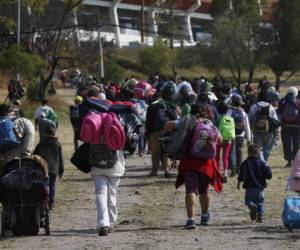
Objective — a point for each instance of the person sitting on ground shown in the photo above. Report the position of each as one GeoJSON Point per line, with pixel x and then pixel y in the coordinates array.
{"type": "Point", "coordinates": [196, 173]}
{"type": "Point", "coordinates": [51, 151]}
{"type": "Point", "coordinates": [253, 174]}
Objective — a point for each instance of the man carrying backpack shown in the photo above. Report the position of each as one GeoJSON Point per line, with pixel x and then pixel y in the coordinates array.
{"type": "Point", "coordinates": [242, 131]}
{"type": "Point", "coordinates": [289, 113]}
{"type": "Point", "coordinates": [157, 114]}
{"type": "Point", "coordinates": [42, 110]}
{"type": "Point", "coordinates": [264, 124]}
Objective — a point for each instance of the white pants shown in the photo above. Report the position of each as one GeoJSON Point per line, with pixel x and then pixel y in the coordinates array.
{"type": "Point", "coordinates": [106, 200]}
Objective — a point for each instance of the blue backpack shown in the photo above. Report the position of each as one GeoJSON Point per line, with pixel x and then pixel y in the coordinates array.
{"type": "Point", "coordinates": [291, 213]}
{"type": "Point", "coordinates": [8, 138]}
{"type": "Point", "coordinates": [239, 121]}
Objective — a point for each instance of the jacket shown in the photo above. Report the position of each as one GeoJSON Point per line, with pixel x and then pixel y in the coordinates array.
{"type": "Point", "coordinates": [247, 130]}
{"type": "Point", "coordinates": [254, 172]}
{"type": "Point", "coordinates": [50, 150]}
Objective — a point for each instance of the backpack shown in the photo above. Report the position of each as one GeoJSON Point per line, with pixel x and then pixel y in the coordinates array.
{"type": "Point", "coordinates": [90, 131]}
{"type": "Point", "coordinates": [227, 127]}
{"type": "Point", "coordinates": [261, 122]}
{"type": "Point", "coordinates": [290, 112]}
{"type": "Point", "coordinates": [175, 143]}
{"type": "Point", "coordinates": [52, 116]}
{"type": "Point", "coordinates": [150, 116]}
{"type": "Point", "coordinates": [8, 139]}
{"type": "Point", "coordinates": [204, 140]}
{"type": "Point", "coordinates": [239, 121]}
{"type": "Point", "coordinates": [291, 213]}
{"type": "Point", "coordinates": [114, 133]}
{"type": "Point", "coordinates": [100, 156]}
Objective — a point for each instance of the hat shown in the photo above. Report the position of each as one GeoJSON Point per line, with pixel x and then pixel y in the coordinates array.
{"type": "Point", "coordinates": [292, 90]}
{"type": "Point", "coordinates": [272, 96]}
{"type": "Point", "coordinates": [237, 100]}
{"type": "Point", "coordinates": [78, 98]}
{"type": "Point", "coordinates": [168, 91]}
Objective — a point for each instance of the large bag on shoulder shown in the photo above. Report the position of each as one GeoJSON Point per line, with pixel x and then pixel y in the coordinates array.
{"type": "Point", "coordinates": [290, 112]}
{"type": "Point", "coordinates": [204, 141]}
{"type": "Point", "coordinates": [100, 156]}
{"type": "Point", "coordinates": [114, 134]}
{"type": "Point", "coordinates": [80, 158]}
{"type": "Point", "coordinates": [291, 212]}
{"type": "Point", "coordinates": [227, 127]}
{"type": "Point", "coordinates": [176, 143]}
{"type": "Point", "coordinates": [8, 139]}
{"type": "Point", "coordinates": [261, 123]}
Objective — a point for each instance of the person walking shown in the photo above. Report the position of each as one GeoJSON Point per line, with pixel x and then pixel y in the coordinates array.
{"type": "Point", "coordinates": [264, 121]}
{"type": "Point", "coordinates": [253, 174]}
{"type": "Point", "coordinates": [289, 113]}
{"type": "Point", "coordinates": [51, 151]}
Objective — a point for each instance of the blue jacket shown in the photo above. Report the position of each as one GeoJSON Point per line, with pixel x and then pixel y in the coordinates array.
{"type": "Point", "coordinates": [254, 172]}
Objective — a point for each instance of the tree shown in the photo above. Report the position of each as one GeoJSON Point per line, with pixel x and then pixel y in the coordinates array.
{"type": "Point", "coordinates": [236, 39]}
{"type": "Point", "coordinates": [283, 50]}
{"type": "Point", "coordinates": [15, 60]}
{"type": "Point", "coordinates": [156, 59]}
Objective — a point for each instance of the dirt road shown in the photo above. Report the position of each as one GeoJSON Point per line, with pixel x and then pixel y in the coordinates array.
{"type": "Point", "coordinates": [152, 214]}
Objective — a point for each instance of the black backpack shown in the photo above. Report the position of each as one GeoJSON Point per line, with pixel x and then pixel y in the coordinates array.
{"type": "Point", "coordinates": [261, 123]}
{"type": "Point", "coordinates": [150, 116]}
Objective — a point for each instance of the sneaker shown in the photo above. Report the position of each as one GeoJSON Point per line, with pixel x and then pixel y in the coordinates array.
{"type": "Point", "coordinates": [103, 231]}
{"type": "Point", "coordinates": [112, 228]}
{"type": "Point", "coordinates": [205, 219]}
{"type": "Point", "coordinates": [260, 219]}
{"type": "Point", "coordinates": [168, 175]}
{"type": "Point", "coordinates": [233, 173]}
{"type": "Point", "coordinates": [190, 224]}
{"type": "Point", "coordinates": [152, 174]}
{"type": "Point", "coordinates": [289, 164]}
{"type": "Point", "coordinates": [253, 212]}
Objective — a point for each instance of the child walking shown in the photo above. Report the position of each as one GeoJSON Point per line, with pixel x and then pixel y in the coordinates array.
{"type": "Point", "coordinates": [50, 150]}
{"type": "Point", "coordinates": [253, 174]}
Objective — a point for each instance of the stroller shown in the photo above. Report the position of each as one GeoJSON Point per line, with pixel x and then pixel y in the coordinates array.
{"type": "Point", "coordinates": [24, 197]}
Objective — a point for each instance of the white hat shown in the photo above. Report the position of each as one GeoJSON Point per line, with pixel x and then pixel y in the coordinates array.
{"type": "Point", "coordinates": [292, 90]}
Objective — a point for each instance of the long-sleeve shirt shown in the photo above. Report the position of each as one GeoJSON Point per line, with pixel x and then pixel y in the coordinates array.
{"type": "Point", "coordinates": [254, 172]}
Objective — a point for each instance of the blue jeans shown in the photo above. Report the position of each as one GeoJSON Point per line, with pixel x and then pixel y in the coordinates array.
{"type": "Point", "coordinates": [52, 182]}
{"type": "Point", "coordinates": [255, 196]}
{"type": "Point", "coordinates": [236, 154]}
{"type": "Point", "coordinates": [265, 141]}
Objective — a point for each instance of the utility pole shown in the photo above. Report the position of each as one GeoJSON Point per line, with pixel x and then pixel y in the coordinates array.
{"type": "Point", "coordinates": [19, 30]}
{"type": "Point", "coordinates": [101, 63]}
{"type": "Point", "coordinates": [142, 22]}
{"type": "Point", "coordinates": [172, 24]}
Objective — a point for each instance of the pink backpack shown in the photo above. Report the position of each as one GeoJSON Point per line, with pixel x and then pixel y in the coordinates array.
{"type": "Point", "coordinates": [114, 132]}
{"type": "Point", "coordinates": [144, 90]}
{"type": "Point", "coordinates": [204, 141]}
{"type": "Point", "coordinates": [91, 127]}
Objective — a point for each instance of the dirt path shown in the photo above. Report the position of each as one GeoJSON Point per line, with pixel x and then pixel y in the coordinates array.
{"type": "Point", "coordinates": [152, 214]}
